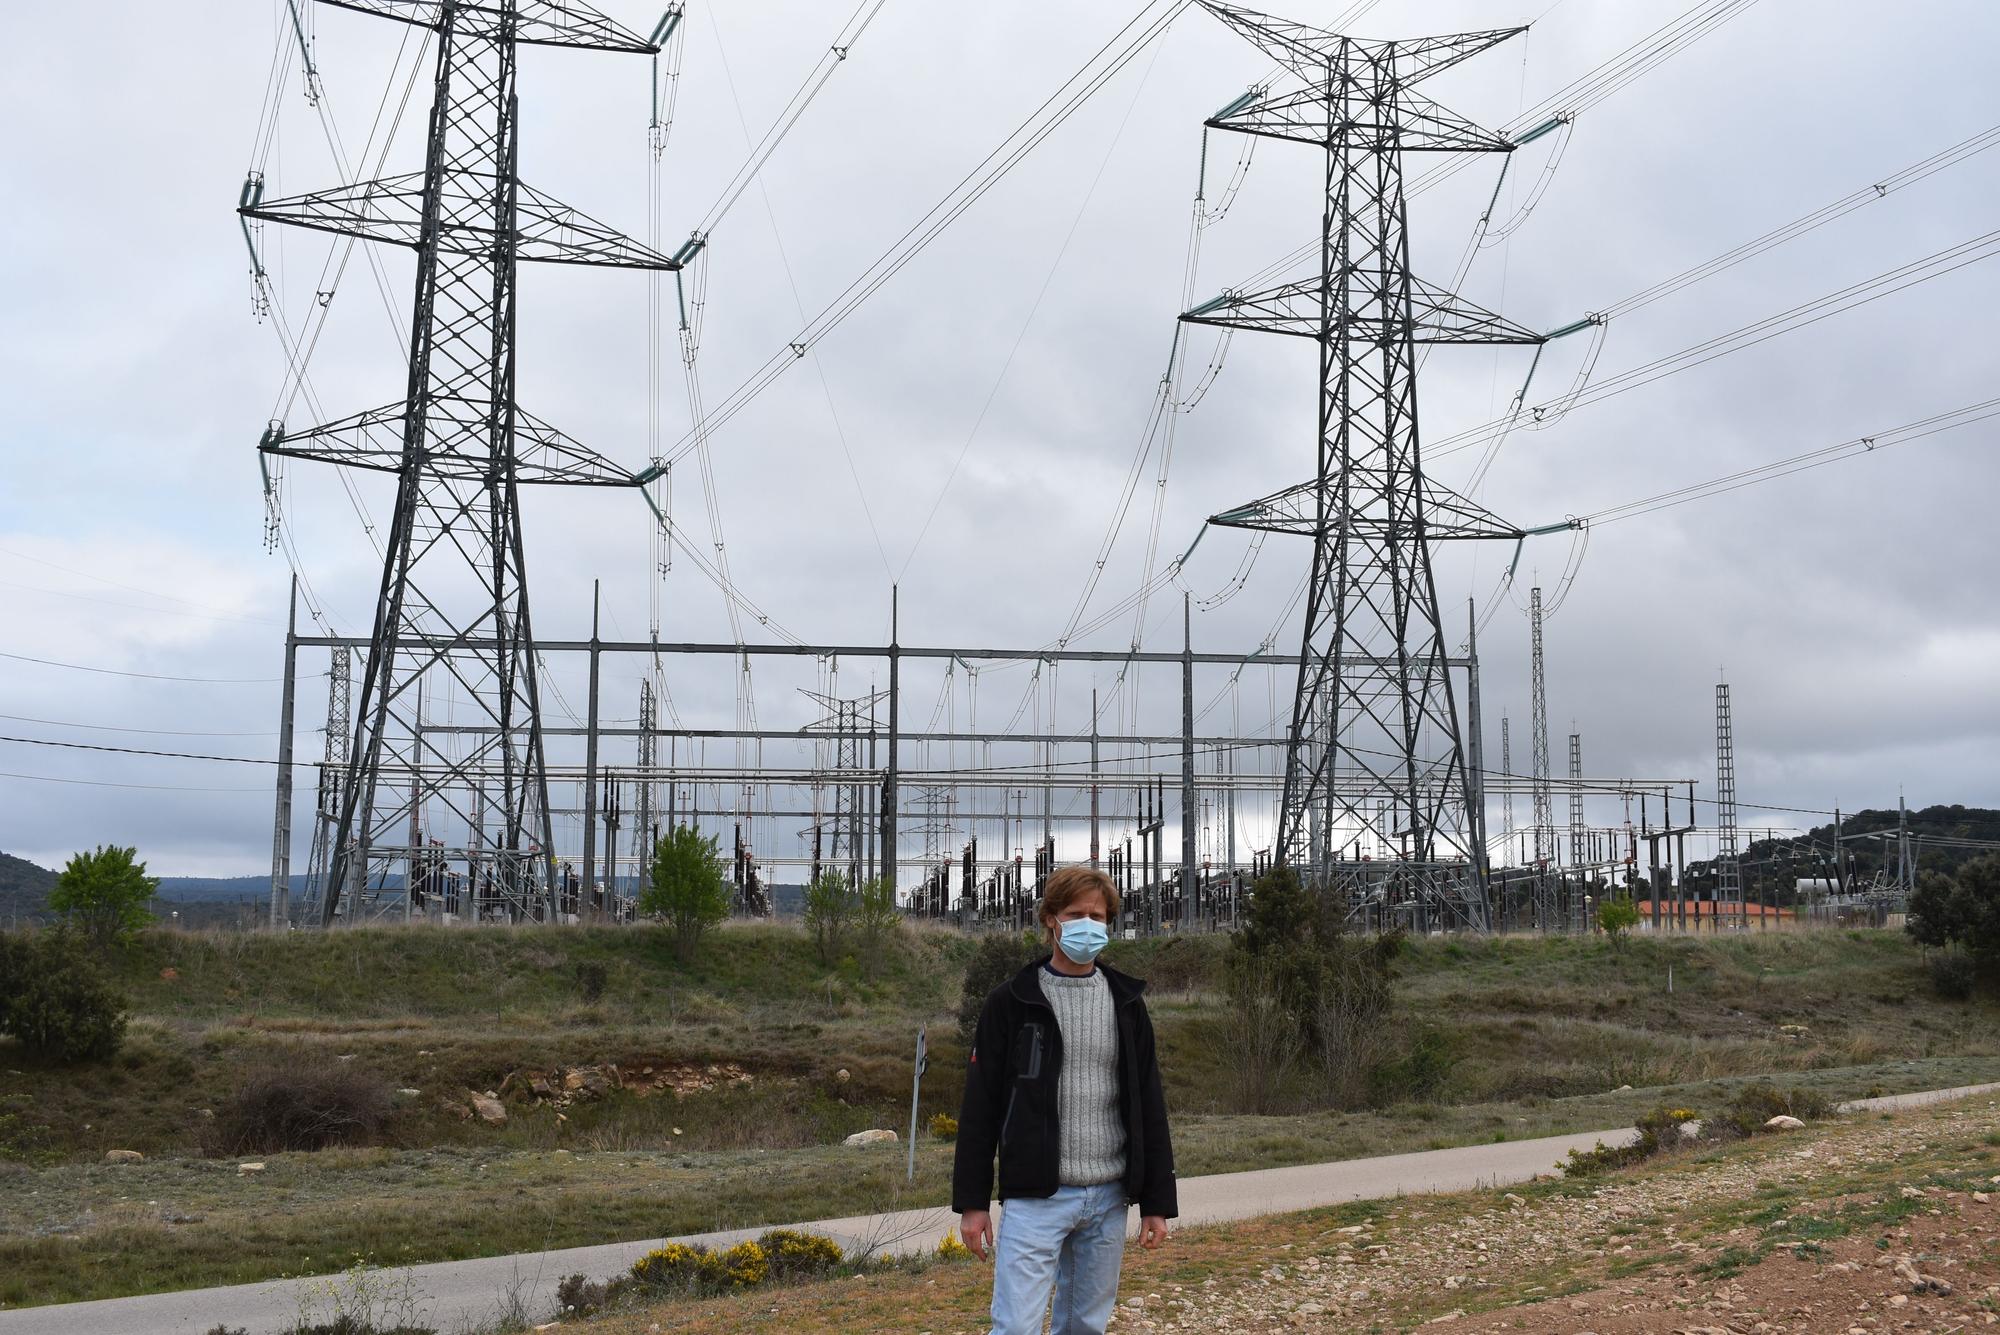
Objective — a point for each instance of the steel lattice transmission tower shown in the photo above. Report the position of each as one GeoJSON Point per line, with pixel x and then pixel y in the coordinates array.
{"type": "Point", "coordinates": [1728, 872]}
{"type": "Point", "coordinates": [453, 604]}
{"type": "Point", "coordinates": [1375, 650]}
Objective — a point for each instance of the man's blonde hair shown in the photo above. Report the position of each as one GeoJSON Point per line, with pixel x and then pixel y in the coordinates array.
{"type": "Point", "coordinates": [1066, 885]}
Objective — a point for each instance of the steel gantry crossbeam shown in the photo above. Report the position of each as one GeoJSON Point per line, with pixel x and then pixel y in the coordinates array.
{"type": "Point", "coordinates": [460, 447]}
{"type": "Point", "coordinates": [1373, 690]}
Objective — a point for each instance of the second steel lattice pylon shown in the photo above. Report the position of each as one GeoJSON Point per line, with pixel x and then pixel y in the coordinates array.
{"type": "Point", "coordinates": [1375, 714]}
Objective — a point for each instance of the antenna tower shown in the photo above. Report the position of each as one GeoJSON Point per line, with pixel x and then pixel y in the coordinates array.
{"type": "Point", "coordinates": [1375, 654]}
{"type": "Point", "coordinates": [453, 604]}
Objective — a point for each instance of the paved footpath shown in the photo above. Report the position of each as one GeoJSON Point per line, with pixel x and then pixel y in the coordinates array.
{"type": "Point", "coordinates": [454, 1294]}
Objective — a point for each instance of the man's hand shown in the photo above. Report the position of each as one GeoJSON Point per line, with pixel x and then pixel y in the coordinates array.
{"type": "Point", "coordinates": [976, 1227]}
{"type": "Point", "coordinates": [1152, 1231]}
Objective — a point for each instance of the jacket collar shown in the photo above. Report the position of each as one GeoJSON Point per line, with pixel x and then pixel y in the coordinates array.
{"type": "Point", "coordinates": [1027, 986]}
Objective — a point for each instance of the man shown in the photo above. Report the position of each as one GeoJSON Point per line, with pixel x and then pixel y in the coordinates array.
{"type": "Point", "coordinates": [1063, 1082]}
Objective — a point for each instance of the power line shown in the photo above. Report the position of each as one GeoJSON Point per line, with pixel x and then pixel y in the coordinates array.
{"type": "Point", "coordinates": [1887, 283]}
{"type": "Point", "coordinates": [1797, 463]}
{"type": "Point", "coordinates": [148, 787]}
{"type": "Point", "coordinates": [158, 732]}
{"type": "Point", "coordinates": [148, 676]}
{"type": "Point", "coordinates": [1142, 29]}
{"type": "Point", "coordinates": [136, 751]}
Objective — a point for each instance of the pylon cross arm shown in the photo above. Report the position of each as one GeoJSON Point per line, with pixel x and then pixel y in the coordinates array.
{"type": "Point", "coordinates": [392, 210]}
{"type": "Point", "coordinates": [373, 439]}
{"type": "Point", "coordinates": [536, 22]}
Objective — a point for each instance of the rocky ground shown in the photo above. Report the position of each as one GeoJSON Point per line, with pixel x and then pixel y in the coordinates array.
{"type": "Point", "coordinates": [1888, 1223]}
{"type": "Point", "coordinates": [1809, 1237]}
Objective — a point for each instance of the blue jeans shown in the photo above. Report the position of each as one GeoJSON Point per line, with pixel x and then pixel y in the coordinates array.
{"type": "Point", "coordinates": [1072, 1243]}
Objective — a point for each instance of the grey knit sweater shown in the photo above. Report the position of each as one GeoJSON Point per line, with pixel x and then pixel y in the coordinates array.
{"type": "Point", "coordinates": [1093, 1137]}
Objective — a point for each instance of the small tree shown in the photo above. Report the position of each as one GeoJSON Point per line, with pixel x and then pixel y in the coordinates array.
{"type": "Point", "coordinates": [104, 894]}
{"type": "Point", "coordinates": [1617, 915]}
{"type": "Point", "coordinates": [687, 887]}
{"type": "Point", "coordinates": [830, 907]}
{"type": "Point", "coordinates": [876, 917]}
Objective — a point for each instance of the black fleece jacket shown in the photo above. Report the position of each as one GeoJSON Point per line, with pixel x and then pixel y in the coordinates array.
{"type": "Point", "coordinates": [1010, 1099]}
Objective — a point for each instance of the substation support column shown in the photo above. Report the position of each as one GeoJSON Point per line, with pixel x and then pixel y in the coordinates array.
{"type": "Point", "coordinates": [1475, 764]}
{"type": "Point", "coordinates": [590, 762]}
{"type": "Point", "coordinates": [1094, 828]}
{"type": "Point", "coordinates": [1190, 811]}
{"type": "Point", "coordinates": [889, 778]}
{"type": "Point", "coordinates": [281, 825]}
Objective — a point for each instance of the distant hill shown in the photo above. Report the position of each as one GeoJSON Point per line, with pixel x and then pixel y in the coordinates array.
{"type": "Point", "coordinates": [24, 888]}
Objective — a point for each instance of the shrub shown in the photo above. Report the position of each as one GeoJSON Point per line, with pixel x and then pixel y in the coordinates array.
{"type": "Point", "coordinates": [579, 1295]}
{"type": "Point", "coordinates": [1758, 1103]}
{"type": "Point", "coordinates": [308, 1107]}
{"type": "Point", "coordinates": [795, 1255]}
{"type": "Point", "coordinates": [999, 956]}
{"type": "Point", "coordinates": [829, 907]}
{"type": "Point", "coordinates": [1418, 1074]}
{"type": "Point", "coordinates": [55, 1002]}
{"type": "Point", "coordinates": [949, 1248]}
{"type": "Point", "coordinates": [944, 1126]}
{"type": "Point", "coordinates": [1616, 916]}
{"type": "Point", "coordinates": [697, 1270]}
{"type": "Point", "coordinates": [1659, 1131]}
{"type": "Point", "coordinates": [590, 980]}
{"type": "Point", "coordinates": [876, 919]}
{"type": "Point", "coordinates": [1953, 975]}
{"type": "Point", "coordinates": [1301, 987]}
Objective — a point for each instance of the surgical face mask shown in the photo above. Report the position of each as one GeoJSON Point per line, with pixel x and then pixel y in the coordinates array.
{"type": "Point", "coordinates": [1081, 939]}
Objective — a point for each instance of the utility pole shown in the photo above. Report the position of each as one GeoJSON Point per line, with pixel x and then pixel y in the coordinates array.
{"type": "Point", "coordinates": [1373, 515]}
{"type": "Point", "coordinates": [453, 598]}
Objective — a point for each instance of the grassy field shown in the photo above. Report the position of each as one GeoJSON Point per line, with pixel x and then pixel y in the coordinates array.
{"type": "Point", "coordinates": [1538, 1036]}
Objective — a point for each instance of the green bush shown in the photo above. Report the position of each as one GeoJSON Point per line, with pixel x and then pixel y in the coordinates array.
{"type": "Point", "coordinates": [793, 1255]}
{"type": "Point", "coordinates": [1306, 995]}
{"type": "Point", "coordinates": [295, 1107]}
{"type": "Point", "coordinates": [1954, 975]}
{"type": "Point", "coordinates": [1417, 1074]}
{"type": "Point", "coordinates": [1756, 1104]}
{"type": "Point", "coordinates": [590, 980]}
{"type": "Point", "coordinates": [695, 1269]}
{"type": "Point", "coordinates": [830, 905]}
{"type": "Point", "coordinates": [1659, 1131]}
{"type": "Point", "coordinates": [999, 956]}
{"type": "Point", "coordinates": [55, 1002]}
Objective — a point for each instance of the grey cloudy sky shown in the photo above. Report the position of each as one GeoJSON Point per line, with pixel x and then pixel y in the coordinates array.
{"type": "Point", "coordinates": [1852, 607]}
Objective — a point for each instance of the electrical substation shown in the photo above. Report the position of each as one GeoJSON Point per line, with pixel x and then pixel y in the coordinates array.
{"type": "Point", "coordinates": [1350, 745]}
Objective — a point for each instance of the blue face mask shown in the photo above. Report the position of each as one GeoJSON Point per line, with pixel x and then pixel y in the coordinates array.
{"type": "Point", "coordinates": [1082, 938]}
